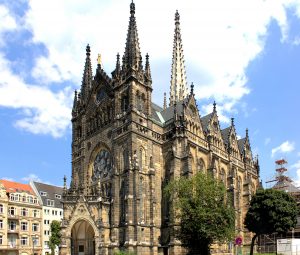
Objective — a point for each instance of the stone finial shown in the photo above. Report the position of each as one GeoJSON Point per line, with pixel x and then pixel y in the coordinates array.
{"type": "Point", "coordinates": [65, 182]}
{"type": "Point", "coordinates": [147, 67]}
{"type": "Point", "coordinates": [132, 8]}
{"type": "Point", "coordinates": [165, 100]}
{"type": "Point", "coordinates": [192, 88]}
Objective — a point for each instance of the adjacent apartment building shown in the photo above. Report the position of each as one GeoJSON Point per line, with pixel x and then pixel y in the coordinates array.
{"type": "Point", "coordinates": [50, 198]}
{"type": "Point", "coordinates": [20, 219]}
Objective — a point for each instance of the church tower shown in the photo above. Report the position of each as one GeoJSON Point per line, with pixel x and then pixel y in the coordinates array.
{"type": "Point", "coordinates": [126, 149]}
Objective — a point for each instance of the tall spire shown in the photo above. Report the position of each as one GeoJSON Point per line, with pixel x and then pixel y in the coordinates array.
{"type": "Point", "coordinates": [178, 88]}
{"type": "Point", "coordinates": [87, 74]}
{"type": "Point", "coordinates": [132, 56]}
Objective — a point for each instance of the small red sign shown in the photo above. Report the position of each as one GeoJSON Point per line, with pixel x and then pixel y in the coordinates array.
{"type": "Point", "coordinates": [238, 240]}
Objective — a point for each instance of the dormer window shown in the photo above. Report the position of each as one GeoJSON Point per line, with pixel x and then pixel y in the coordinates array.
{"type": "Point", "coordinates": [43, 193]}
{"type": "Point", "coordinates": [57, 196]}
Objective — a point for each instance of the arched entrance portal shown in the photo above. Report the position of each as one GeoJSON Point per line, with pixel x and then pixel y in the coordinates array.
{"type": "Point", "coordinates": [83, 239]}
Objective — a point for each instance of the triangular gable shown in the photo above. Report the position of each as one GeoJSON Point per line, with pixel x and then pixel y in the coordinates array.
{"type": "Point", "coordinates": [230, 141]}
{"type": "Point", "coordinates": [192, 115]}
{"type": "Point", "coordinates": [101, 79]}
{"type": "Point", "coordinates": [213, 129]}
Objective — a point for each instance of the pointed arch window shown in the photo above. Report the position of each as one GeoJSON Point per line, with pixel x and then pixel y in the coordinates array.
{"type": "Point", "coordinates": [141, 158]}
{"type": "Point", "coordinates": [124, 103]}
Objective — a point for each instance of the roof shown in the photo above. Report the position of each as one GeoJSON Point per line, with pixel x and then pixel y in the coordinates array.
{"type": "Point", "coordinates": [241, 143]}
{"type": "Point", "coordinates": [225, 134]}
{"type": "Point", "coordinates": [12, 187]}
{"type": "Point", "coordinates": [168, 113]}
{"type": "Point", "coordinates": [51, 191]}
{"type": "Point", "coordinates": [205, 120]}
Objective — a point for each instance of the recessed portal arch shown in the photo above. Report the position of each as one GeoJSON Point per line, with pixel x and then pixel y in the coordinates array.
{"type": "Point", "coordinates": [82, 238]}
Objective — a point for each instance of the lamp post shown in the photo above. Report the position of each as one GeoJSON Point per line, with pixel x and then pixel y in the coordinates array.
{"type": "Point", "coordinates": [33, 237]}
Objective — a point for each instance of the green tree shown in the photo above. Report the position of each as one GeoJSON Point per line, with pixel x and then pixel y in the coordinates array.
{"type": "Point", "coordinates": [55, 236]}
{"type": "Point", "coordinates": [204, 211]}
{"type": "Point", "coordinates": [270, 211]}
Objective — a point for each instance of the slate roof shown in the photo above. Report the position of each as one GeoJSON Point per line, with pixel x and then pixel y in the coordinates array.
{"type": "Point", "coordinates": [225, 134]}
{"type": "Point", "coordinates": [12, 187]}
{"type": "Point", "coordinates": [241, 144]}
{"type": "Point", "coordinates": [155, 111]}
{"type": "Point", "coordinates": [161, 115]}
{"type": "Point", "coordinates": [51, 192]}
{"type": "Point", "coordinates": [205, 120]}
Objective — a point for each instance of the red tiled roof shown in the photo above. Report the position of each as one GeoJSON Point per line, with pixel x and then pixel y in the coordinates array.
{"type": "Point", "coordinates": [16, 187]}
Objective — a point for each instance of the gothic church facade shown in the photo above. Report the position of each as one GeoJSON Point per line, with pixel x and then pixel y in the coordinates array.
{"type": "Point", "coordinates": [125, 149]}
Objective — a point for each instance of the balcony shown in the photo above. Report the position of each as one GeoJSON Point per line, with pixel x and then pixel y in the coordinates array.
{"type": "Point", "coordinates": [13, 231]}
{"type": "Point", "coordinates": [10, 246]}
{"type": "Point", "coordinates": [12, 216]}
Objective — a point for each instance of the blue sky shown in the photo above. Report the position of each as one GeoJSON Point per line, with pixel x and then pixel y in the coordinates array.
{"type": "Point", "coordinates": [243, 54]}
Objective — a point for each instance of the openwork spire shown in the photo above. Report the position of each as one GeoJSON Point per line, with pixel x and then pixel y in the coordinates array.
{"type": "Point", "coordinates": [132, 56]}
{"type": "Point", "coordinates": [87, 74]}
{"type": "Point", "coordinates": [178, 88]}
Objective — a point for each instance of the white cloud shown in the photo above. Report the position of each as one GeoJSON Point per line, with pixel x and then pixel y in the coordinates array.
{"type": "Point", "coordinates": [31, 177]}
{"type": "Point", "coordinates": [285, 147]}
{"type": "Point", "coordinates": [7, 22]}
{"type": "Point", "coordinates": [44, 112]}
{"type": "Point", "coordinates": [297, 167]}
{"type": "Point", "coordinates": [220, 38]}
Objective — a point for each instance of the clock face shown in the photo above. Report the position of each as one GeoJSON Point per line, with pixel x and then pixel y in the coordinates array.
{"type": "Point", "coordinates": [100, 95]}
{"type": "Point", "coordinates": [102, 164]}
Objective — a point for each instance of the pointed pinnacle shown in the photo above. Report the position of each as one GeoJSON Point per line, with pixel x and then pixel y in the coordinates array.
{"type": "Point", "coordinates": [215, 108]}
{"type": "Point", "coordinates": [88, 50]}
{"type": "Point", "coordinates": [247, 132]}
{"type": "Point", "coordinates": [118, 59]}
{"type": "Point", "coordinates": [232, 122]}
{"type": "Point", "coordinates": [177, 17]}
{"type": "Point", "coordinates": [132, 8]}
{"type": "Point", "coordinates": [192, 88]}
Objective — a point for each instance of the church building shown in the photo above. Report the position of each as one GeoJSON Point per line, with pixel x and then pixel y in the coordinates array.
{"type": "Point", "coordinates": [126, 149]}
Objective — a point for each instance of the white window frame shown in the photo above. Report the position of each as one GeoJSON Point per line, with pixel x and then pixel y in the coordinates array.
{"type": "Point", "coordinates": [24, 240]}
{"type": "Point", "coordinates": [35, 227]}
{"type": "Point", "coordinates": [43, 193]}
{"type": "Point", "coordinates": [24, 210]}
{"type": "Point", "coordinates": [25, 224]}
{"type": "Point", "coordinates": [12, 209]}
{"type": "Point", "coordinates": [50, 202]}
{"type": "Point", "coordinates": [12, 223]}
{"type": "Point", "coordinates": [36, 213]}
{"type": "Point", "coordinates": [57, 196]}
